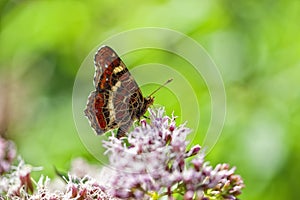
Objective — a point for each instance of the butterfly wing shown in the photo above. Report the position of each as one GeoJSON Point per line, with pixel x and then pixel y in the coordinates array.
{"type": "Point", "coordinates": [111, 105]}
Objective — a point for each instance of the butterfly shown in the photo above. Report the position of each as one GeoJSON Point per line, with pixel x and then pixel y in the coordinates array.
{"type": "Point", "coordinates": [117, 100]}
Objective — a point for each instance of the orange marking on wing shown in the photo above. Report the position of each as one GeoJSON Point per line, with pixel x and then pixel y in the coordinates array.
{"type": "Point", "coordinates": [99, 104]}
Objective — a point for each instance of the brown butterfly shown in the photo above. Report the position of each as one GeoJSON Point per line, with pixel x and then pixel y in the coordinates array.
{"type": "Point", "coordinates": [117, 101]}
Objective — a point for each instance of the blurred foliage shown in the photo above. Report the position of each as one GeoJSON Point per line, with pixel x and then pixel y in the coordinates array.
{"type": "Point", "coordinates": [256, 45]}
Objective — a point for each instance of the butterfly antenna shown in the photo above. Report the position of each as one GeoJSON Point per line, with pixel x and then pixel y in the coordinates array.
{"type": "Point", "coordinates": [168, 81]}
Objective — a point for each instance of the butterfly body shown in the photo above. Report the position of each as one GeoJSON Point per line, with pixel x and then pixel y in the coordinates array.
{"type": "Point", "coordinates": [117, 100]}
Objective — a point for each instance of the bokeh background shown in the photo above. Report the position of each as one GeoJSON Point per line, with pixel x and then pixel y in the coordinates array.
{"type": "Point", "coordinates": [255, 44]}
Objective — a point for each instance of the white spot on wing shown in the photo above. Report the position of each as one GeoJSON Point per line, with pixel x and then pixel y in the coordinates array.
{"type": "Point", "coordinates": [118, 69]}
{"type": "Point", "coordinates": [115, 87]}
{"type": "Point", "coordinates": [111, 108]}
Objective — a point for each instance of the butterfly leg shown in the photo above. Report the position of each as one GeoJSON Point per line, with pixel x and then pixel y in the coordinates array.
{"type": "Point", "coordinates": [123, 129]}
{"type": "Point", "coordinates": [121, 133]}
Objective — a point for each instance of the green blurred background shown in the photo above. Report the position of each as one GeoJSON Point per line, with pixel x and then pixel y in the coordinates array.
{"type": "Point", "coordinates": [255, 44]}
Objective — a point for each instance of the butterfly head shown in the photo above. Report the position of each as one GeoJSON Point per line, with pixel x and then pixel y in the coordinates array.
{"type": "Point", "coordinates": [149, 101]}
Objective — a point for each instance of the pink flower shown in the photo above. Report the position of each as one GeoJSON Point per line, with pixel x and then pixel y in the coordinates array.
{"type": "Point", "coordinates": [7, 154]}
{"type": "Point", "coordinates": [151, 163]}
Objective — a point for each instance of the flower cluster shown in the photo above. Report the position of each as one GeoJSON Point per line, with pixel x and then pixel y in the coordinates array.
{"type": "Point", "coordinates": [76, 188]}
{"type": "Point", "coordinates": [152, 162]}
{"type": "Point", "coordinates": [7, 154]}
{"type": "Point", "coordinates": [16, 181]}
{"type": "Point", "coordinates": [18, 184]}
